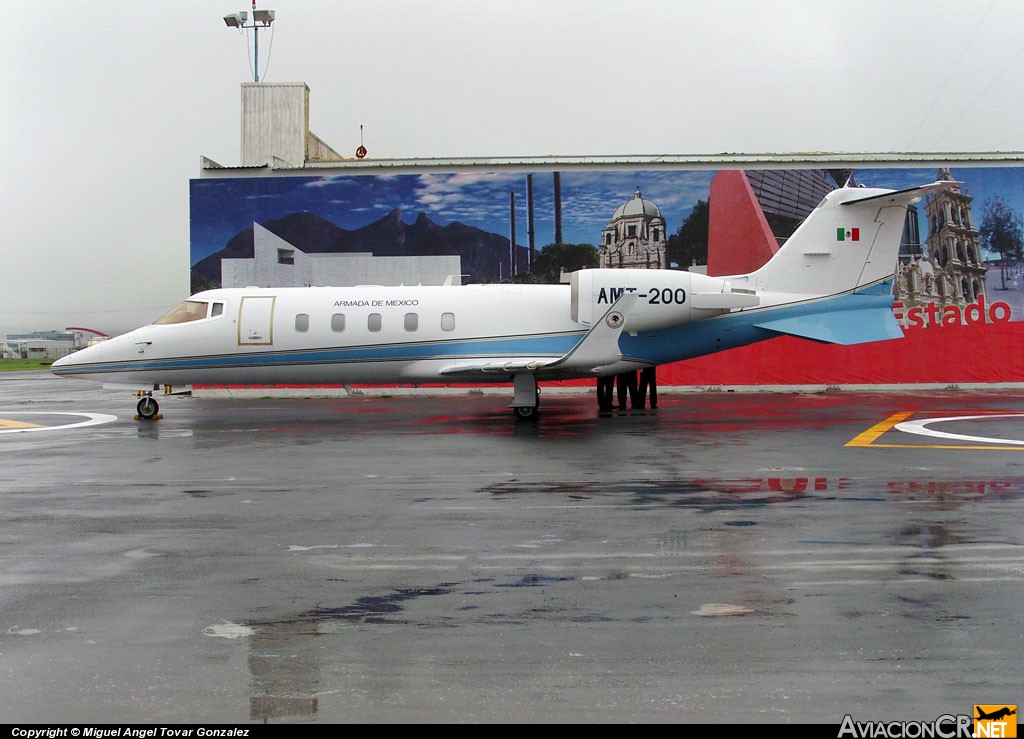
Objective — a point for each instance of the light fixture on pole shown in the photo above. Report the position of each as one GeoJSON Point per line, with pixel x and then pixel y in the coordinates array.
{"type": "Point", "coordinates": [260, 19]}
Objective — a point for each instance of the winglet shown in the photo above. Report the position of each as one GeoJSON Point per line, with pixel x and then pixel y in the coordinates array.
{"type": "Point", "coordinates": [600, 346]}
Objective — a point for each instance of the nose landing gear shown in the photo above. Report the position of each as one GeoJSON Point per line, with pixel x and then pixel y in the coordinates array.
{"type": "Point", "coordinates": [148, 409]}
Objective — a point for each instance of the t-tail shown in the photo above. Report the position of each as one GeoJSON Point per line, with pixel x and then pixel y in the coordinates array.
{"type": "Point", "coordinates": [832, 280]}
{"type": "Point", "coordinates": [849, 243]}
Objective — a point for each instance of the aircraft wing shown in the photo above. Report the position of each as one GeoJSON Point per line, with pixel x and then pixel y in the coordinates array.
{"type": "Point", "coordinates": [599, 347]}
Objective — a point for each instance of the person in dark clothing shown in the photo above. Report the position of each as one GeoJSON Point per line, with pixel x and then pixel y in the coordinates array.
{"type": "Point", "coordinates": [628, 387]}
{"type": "Point", "coordinates": [605, 392]}
{"type": "Point", "coordinates": [648, 383]}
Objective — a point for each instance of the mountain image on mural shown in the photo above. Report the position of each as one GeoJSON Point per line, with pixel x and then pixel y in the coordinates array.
{"type": "Point", "coordinates": [482, 253]}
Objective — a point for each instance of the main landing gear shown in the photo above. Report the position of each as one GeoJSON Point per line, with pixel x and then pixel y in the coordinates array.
{"type": "Point", "coordinates": [526, 398]}
{"type": "Point", "coordinates": [525, 413]}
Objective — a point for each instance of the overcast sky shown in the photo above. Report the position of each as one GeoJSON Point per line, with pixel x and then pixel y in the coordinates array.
{"type": "Point", "coordinates": [106, 107]}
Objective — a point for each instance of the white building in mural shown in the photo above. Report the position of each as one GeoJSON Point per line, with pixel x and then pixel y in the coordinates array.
{"type": "Point", "coordinates": [635, 237]}
{"type": "Point", "coordinates": [276, 263]}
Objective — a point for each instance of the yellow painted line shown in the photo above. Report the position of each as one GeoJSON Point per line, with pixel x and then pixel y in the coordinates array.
{"type": "Point", "coordinates": [943, 446]}
{"type": "Point", "coordinates": [869, 437]}
{"type": "Point", "coordinates": [6, 423]}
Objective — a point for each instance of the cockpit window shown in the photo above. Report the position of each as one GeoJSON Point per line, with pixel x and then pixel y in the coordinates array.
{"type": "Point", "coordinates": [190, 310]}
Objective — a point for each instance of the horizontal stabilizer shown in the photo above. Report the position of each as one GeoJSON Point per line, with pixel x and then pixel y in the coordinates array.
{"type": "Point", "coordinates": [906, 196]}
{"type": "Point", "coordinates": [840, 327]}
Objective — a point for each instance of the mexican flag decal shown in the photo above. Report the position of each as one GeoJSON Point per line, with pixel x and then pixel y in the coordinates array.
{"type": "Point", "coordinates": [847, 234]}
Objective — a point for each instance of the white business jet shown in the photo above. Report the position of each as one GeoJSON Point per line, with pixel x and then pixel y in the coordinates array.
{"type": "Point", "coordinates": [830, 282]}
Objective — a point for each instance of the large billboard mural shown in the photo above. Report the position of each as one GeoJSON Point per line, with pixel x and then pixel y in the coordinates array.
{"type": "Point", "coordinates": [957, 289]}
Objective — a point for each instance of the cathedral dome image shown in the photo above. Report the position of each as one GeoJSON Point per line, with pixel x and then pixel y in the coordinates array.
{"type": "Point", "coordinates": [635, 236]}
{"type": "Point", "coordinates": [637, 207]}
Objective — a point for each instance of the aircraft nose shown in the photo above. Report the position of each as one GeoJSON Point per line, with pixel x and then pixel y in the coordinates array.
{"type": "Point", "coordinates": [62, 365]}
{"type": "Point", "coordinates": [72, 360]}
{"type": "Point", "coordinates": [65, 361]}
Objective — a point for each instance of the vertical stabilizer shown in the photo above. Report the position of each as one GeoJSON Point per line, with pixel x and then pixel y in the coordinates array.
{"type": "Point", "coordinates": [850, 240]}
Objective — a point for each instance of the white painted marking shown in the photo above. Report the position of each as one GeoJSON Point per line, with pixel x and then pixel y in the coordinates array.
{"type": "Point", "coordinates": [721, 609]}
{"type": "Point", "coordinates": [921, 428]}
{"type": "Point", "coordinates": [23, 632]}
{"type": "Point", "coordinates": [228, 630]}
{"type": "Point", "coordinates": [93, 419]}
{"type": "Point", "coordinates": [300, 548]}
{"type": "Point", "coordinates": [297, 548]}
{"type": "Point", "coordinates": [142, 553]}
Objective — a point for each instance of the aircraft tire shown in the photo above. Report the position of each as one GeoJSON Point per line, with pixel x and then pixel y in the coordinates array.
{"type": "Point", "coordinates": [525, 412]}
{"type": "Point", "coordinates": [147, 408]}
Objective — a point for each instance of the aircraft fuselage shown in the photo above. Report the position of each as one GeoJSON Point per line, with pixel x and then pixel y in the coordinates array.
{"type": "Point", "coordinates": [820, 285]}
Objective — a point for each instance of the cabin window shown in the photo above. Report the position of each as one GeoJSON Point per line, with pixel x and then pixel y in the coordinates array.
{"type": "Point", "coordinates": [374, 322]}
{"type": "Point", "coordinates": [302, 322]}
{"type": "Point", "coordinates": [217, 309]}
{"type": "Point", "coordinates": [447, 321]}
{"type": "Point", "coordinates": [286, 256]}
{"type": "Point", "coordinates": [338, 322]}
{"type": "Point", "coordinates": [412, 321]}
{"type": "Point", "coordinates": [190, 310]}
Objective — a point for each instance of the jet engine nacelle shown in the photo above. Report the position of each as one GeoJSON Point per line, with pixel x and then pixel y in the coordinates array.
{"type": "Point", "coordinates": [664, 297]}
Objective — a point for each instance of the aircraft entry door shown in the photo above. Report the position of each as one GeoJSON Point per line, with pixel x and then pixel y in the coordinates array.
{"type": "Point", "coordinates": [256, 321]}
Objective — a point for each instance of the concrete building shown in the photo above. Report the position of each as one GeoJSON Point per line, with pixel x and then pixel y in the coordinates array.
{"type": "Point", "coordinates": [40, 345]}
{"type": "Point", "coordinates": [280, 264]}
{"type": "Point", "coordinates": [275, 126]}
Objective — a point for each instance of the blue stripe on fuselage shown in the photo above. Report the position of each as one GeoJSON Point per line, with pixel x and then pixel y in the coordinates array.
{"type": "Point", "coordinates": [526, 346]}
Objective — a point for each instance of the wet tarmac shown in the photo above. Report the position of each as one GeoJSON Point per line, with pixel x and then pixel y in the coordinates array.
{"type": "Point", "coordinates": [726, 558]}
